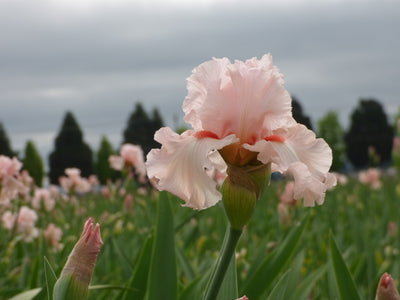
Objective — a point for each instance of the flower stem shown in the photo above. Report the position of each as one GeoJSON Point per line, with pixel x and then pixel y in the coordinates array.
{"type": "Point", "coordinates": [228, 249]}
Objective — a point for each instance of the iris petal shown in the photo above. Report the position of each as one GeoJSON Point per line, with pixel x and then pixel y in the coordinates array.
{"type": "Point", "coordinates": [180, 166]}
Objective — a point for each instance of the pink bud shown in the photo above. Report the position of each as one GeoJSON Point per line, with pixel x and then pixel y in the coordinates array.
{"type": "Point", "coordinates": [83, 257]}
{"type": "Point", "coordinates": [387, 289]}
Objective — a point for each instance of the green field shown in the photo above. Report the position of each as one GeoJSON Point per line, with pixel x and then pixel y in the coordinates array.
{"type": "Point", "coordinates": [355, 214]}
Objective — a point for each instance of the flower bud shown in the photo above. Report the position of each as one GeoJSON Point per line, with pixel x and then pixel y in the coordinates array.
{"type": "Point", "coordinates": [241, 190]}
{"type": "Point", "coordinates": [387, 289]}
{"type": "Point", "coordinates": [76, 275]}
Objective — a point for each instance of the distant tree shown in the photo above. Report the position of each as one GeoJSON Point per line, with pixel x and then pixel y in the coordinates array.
{"type": "Point", "coordinates": [33, 163]}
{"type": "Point", "coordinates": [141, 128]}
{"type": "Point", "coordinates": [298, 114]}
{"type": "Point", "coordinates": [103, 169]}
{"type": "Point", "coordinates": [5, 146]}
{"type": "Point", "coordinates": [157, 122]}
{"type": "Point", "coordinates": [70, 151]}
{"type": "Point", "coordinates": [331, 131]}
{"type": "Point", "coordinates": [369, 129]}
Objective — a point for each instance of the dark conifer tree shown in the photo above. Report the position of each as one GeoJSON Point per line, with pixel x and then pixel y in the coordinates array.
{"type": "Point", "coordinates": [33, 163]}
{"type": "Point", "coordinates": [5, 146]}
{"type": "Point", "coordinates": [103, 169]}
{"type": "Point", "coordinates": [70, 151]}
{"type": "Point", "coordinates": [141, 128]}
{"type": "Point", "coordinates": [369, 129]}
{"type": "Point", "coordinates": [298, 114]}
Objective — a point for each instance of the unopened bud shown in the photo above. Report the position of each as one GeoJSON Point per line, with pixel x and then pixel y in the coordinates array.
{"type": "Point", "coordinates": [77, 273]}
{"type": "Point", "coordinates": [386, 289]}
{"type": "Point", "coordinates": [241, 190]}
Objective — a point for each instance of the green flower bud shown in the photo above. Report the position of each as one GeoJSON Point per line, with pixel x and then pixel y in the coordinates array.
{"type": "Point", "coordinates": [241, 191]}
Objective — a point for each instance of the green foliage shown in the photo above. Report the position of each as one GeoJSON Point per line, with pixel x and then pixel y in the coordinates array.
{"type": "Point", "coordinates": [33, 163]}
{"type": "Point", "coordinates": [298, 114]}
{"type": "Point", "coordinates": [331, 131]}
{"type": "Point", "coordinates": [369, 129]}
{"type": "Point", "coordinates": [141, 128]}
{"type": "Point", "coordinates": [346, 286]}
{"type": "Point", "coordinates": [70, 151]}
{"type": "Point", "coordinates": [291, 263]}
{"type": "Point", "coordinates": [162, 281]}
{"type": "Point", "coordinates": [5, 146]}
{"type": "Point", "coordinates": [103, 169]}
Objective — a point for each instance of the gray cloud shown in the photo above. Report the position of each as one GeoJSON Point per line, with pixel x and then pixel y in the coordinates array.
{"type": "Point", "coordinates": [99, 61]}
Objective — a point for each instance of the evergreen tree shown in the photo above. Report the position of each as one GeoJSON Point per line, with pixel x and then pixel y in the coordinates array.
{"type": "Point", "coordinates": [5, 147]}
{"type": "Point", "coordinates": [33, 163]}
{"type": "Point", "coordinates": [332, 132]}
{"type": "Point", "coordinates": [157, 124]}
{"type": "Point", "coordinates": [141, 128]}
{"type": "Point", "coordinates": [369, 129]}
{"type": "Point", "coordinates": [298, 114]}
{"type": "Point", "coordinates": [103, 169]}
{"type": "Point", "coordinates": [70, 151]}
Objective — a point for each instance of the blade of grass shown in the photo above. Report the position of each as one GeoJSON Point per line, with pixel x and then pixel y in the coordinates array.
{"type": "Point", "coordinates": [162, 282]}
{"type": "Point", "coordinates": [345, 283]}
{"type": "Point", "coordinates": [50, 278]}
{"type": "Point", "coordinates": [138, 281]}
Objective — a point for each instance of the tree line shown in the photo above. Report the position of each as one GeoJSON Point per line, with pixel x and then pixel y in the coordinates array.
{"type": "Point", "coordinates": [367, 142]}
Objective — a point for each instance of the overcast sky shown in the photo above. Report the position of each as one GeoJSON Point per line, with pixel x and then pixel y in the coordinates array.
{"type": "Point", "coordinates": [97, 58]}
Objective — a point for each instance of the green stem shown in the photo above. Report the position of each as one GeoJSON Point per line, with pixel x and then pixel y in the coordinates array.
{"type": "Point", "coordinates": [227, 251]}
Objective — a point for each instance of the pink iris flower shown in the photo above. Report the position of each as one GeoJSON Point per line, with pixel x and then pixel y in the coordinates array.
{"type": "Point", "coordinates": [242, 110]}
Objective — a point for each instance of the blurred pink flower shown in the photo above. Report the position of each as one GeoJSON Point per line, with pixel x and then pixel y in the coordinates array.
{"type": "Point", "coordinates": [8, 220]}
{"type": "Point", "coordinates": [105, 191]}
{"type": "Point", "coordinates": [53, 235]}
{"type": "Point", "coordinates": [392, 229]}
{"type": "Point", "coordinates": [243, 111]}
{"type": "Point", "coordinates": [133, 156]}
{"type": "Point", "coordinates": [24, 222]}
{"type": "Point", "coordinates": [371, 177]}
{"type": "Point", "coordinates": [128, 203]}
{"type": "Point", "coordinates": [243, 298]}
{"type": "Point", "coordinates": [9, 167]}
{"type": "Point", "coordinates": [287, 197]}
{"type": "Point", "coordinates": [116, 162]}
{"type": "Point", "coordinates": [74, 181]}
{"type": "Point", "coordinates": [93, 180]}
{"type": "Point", "coordinates": [387, 289]}
{"type": "Point", "coordinates": [43, 195]}
{"type": "Point", "coordinates": [396, 144]}
{"type": "Point", "coordinates": [10, 183]}
{"type": "Point", "coordinates": [340, 178]}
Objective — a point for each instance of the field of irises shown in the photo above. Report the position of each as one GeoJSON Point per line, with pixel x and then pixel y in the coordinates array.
{"type": "Point", "coordinates": [201, 218]}
{"type": "Point", "coordinates": [285, 252]}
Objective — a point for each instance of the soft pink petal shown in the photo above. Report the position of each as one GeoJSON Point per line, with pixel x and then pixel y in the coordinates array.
{"type": "Point", "coordinates": [300, 145]}
{"type": "Point", "coordinates": [180, 166]}
{"type": "Point", "coordinates": [245, 98]}
{"type": "Point", "coordinates": [308, 159]}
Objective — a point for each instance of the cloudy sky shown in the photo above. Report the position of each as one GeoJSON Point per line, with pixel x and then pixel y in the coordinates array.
{"type": "Point", "coordinates": [97, 58]}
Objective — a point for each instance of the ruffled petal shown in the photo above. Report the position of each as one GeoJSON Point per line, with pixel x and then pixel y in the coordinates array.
{"type": "Point", "coordinates": [245, 98]}
{"type": "Point", "coordinates": [310, 187]}
{"type": "Point", "coordinates": [300, 144]}
{"type": "Point", "coordinates": [180, 166]}
{"type": "Point", "coordinates": [307, 158]}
